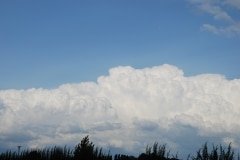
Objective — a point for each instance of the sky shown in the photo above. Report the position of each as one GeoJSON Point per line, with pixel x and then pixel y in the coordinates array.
{"type": "Point", "coordinates": [127, 73]}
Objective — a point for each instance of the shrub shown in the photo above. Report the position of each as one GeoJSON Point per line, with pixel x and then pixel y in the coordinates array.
{"type": "Point", "coordinates": [215, 154]}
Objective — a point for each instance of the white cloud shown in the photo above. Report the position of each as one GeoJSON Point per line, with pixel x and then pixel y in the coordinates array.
{"type": "Point", "coordinates": [127, 109]}
{"type": "Point", "coordinates": [219, 10]}
{"type": "Point", "coordinates": [228, 31]}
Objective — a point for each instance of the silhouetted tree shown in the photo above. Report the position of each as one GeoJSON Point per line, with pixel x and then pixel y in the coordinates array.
{"type": "Point", "coordinates": [84, 150]}
{"type": "Point", "coordinates": [124, 157]}
{"type": "Point", "coordinates": [34, 155]}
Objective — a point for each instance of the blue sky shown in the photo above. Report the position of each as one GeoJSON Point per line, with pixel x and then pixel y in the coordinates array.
{"type": "Point", "coordinates": [142, 70]}
{"type": "Point", "coordinates": [48, 43]}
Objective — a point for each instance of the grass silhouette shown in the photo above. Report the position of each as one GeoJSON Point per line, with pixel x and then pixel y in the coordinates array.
{"type": "Point", "coordinates": [86, 150]}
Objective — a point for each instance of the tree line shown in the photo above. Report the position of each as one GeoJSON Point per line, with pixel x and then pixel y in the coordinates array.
{"type": "Point", "coordinates": [86, 150]}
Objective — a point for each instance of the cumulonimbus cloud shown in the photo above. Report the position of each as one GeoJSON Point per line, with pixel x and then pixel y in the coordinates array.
{"type": "Point", "coordinates": [127, 109]}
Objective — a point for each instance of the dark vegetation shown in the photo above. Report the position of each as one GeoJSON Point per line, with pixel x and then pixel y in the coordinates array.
{"type": "Point", "coordinates": [86, 150]}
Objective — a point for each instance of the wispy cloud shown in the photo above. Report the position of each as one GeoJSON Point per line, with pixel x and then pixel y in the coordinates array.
{"type": "Point", "coordinates": [219, 10]}
{"type": "Point", "coordinates": [127, 109]}
{"type": "Point", "coordinates": [230, 30]}
{"type": "Point", "coordinates": [233, 3]}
